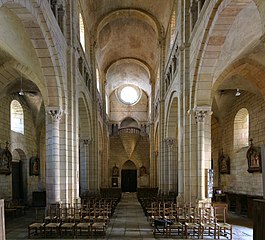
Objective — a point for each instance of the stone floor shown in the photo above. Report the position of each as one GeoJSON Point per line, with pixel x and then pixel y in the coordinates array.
{"type": "Point", "coordinates": [128, 222]}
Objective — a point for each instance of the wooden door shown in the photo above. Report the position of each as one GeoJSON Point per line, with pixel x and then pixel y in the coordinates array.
{"type": "Point", "coordinates": [17, 181]}
{"type": "Point", "coordinates": [129, 180]}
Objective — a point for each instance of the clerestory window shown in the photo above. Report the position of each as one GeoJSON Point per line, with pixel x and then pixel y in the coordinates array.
{"type": "Point", "coordinates": [17, 117]}
{"type": "Point", "coordinates": [241, 129]}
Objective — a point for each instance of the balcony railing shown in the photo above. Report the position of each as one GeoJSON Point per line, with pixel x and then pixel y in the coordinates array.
{"type": "Point", "coordinates": [131, 130]}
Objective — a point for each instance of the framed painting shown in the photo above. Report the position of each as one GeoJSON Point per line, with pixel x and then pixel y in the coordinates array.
{"type": "Point", "coordinates": [34, 166]}
{"type": "Point", "coordinates": [254, 158]}
{"type": "Point", "coordinates": [5, 160]}
{"type": "Point", "coordinates": [224, 163]}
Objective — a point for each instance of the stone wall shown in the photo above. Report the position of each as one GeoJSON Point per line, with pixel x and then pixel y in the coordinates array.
{"type": "Point", "coordinates": [239, 180]}
{"type": "Point", "coordinates": [119, 111]}
{"type": "Point", "coordinates": [140, 156]}
{"type": "Point", "coordinates": [22, 147]}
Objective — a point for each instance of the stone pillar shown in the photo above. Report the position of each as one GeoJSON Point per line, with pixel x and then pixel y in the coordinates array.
{"type": "Point", "coordinates": [153, 159]}
{"type": "Point", "coordinates": [104, 161]}
{"type": "Point", "coordinates": [84, 159]}
{"type": "Point", "coordinates": [154, 180]}
{"type": "Point", "coordinates": [203, 147]}
{"type": "Point", "coordinates": [94, 151]}
{"type": "Point", "coordinates": [162, 87]}
{"type": "Point", "coordinates": [171, 164]}
{"type": "Point", "coordinates": [263, 167]}
{"type": "Point", "coordinates": [2, 220]}
{"type": "Point", "coordinates": [152, 155]}
{"type": "Point", "coordinates": [53, 178]}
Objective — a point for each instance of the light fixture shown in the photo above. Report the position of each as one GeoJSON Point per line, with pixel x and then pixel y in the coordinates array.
{"type": "Point", "coordinates": [21, 92]}
{"type": "Point", "coordinates": [238, 93]}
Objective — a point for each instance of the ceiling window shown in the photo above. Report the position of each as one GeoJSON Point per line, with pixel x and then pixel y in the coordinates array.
{"type": "Point", "coordinates": [17, 117]}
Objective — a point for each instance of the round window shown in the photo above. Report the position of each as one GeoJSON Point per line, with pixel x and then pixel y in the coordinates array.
{"type": "Point", "coordinates": [129, 94]}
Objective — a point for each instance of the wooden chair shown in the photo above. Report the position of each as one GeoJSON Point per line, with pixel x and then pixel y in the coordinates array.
{"type": "Point", "coordinates": [223, 228]}
{"type": "Point", "coordinates": [53, 224]}
{"type": "Point", "coordinates": [84, 223]}
{"type": "Point", "coordinates": [37, 226]}
{"type": "Point", "coordinates": [177, 225]}
{"type": "Point", "coordinates": [99, 224]}
{"type": "Point", "coordinates": [208, 222]}
{"type": "Point", "coordinates": [192, 223]}
{"type": "Point", "coordinates": [52, 212]}
{"type": "Point", "coordinates": [68, 223]}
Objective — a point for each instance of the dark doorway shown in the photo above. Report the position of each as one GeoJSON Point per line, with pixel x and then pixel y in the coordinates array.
{"type": "Point", "coordinates": [128, 180]}
{"type": "Point", "coordinates": [17, 181]}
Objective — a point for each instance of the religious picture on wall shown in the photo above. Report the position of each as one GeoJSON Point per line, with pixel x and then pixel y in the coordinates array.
{"type": "Point", "coordinates": [34, 166]}
{"type": "Point", "coordinates": [5, 160]}
{"type": "Point", "coordinates": [143, 171]}
{"type": "Point", "coordinates": [224, 163]}
{"type": "Point", "coordinates": [254, 158]}
{"type": "Point", "coordinates": [115, 171]}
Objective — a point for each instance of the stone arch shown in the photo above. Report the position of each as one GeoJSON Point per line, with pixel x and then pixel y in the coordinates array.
{"type": "Point", "coordinates": [135, 162]}
{"type": "Point", "coordinates": [214, 36]}
{"type": "Point", "coordinates": [146, 22]}
{"type": "Point", "coordinates": [16, 69]}
{"type": "Point", "coordinates": [172, 117]}
{"type": "Point", "coordinates": [142, 15]}
{"type": "Point", "coordinates": [129, 164]}
{"type": "Point", "coordinates": [32, 16]}
{"type": "Point", "coordinates": [248, 69]}
{"type": "Point", "coordinates": [129, 122]}
{"type": "Point", "coordinates": [133, 65]}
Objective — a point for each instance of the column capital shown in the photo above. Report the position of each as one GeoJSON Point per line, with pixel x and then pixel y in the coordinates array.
{"type": "Point", "coordinates": [87, 141]}
{"type": "Point", "coordinates": [56, 113]}
{"type": "Point", "coordinates": [200, 112]}
{"type": "Point", "coordinates": [169, 141]}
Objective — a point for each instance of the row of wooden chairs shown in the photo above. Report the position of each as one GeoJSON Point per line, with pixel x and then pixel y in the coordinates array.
{"type": "Point", "coordinates": [170, 219]}
{"type": "Point", "coordinates": [15, 207]}
{"type": "Point", "coordinates": [62, 219]}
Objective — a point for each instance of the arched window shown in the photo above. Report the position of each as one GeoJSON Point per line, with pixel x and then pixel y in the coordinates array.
{"type": "Point", "coordinates": [17, 117]}
{"type": "Point", "coordinates": [97, 77]}
{"type": "Point", "coordinates": [82, 32]}
{"type": "Point", "coordinates": [241, 129]}
{"type": "Point", "coordinates": [107, 103]}
{"type": "Point", "coordinates": [173, 28]}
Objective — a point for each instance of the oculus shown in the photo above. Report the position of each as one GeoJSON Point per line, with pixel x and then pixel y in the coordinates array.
{"type": "Point", "coordinates": [128, 94]}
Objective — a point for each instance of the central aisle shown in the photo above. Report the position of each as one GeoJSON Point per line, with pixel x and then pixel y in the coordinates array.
{"type": "Point", "coordinates": [129, 221]}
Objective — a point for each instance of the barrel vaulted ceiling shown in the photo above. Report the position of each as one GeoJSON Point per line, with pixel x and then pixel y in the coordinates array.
{"type": "Point", "coordinates": [127, 36]}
